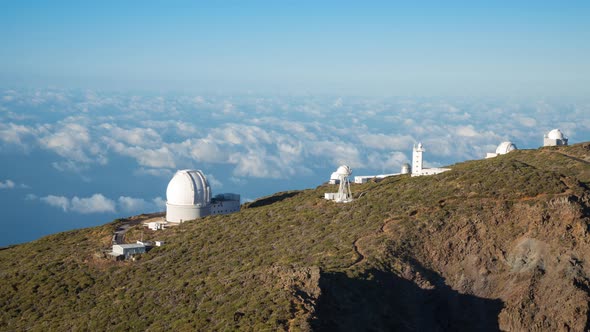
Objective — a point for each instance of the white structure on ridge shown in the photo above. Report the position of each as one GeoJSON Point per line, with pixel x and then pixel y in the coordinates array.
{"type": "Point", "coordinates": [188, 197]}
{"type": "Point", "coordinates": [417, 163]}
{"type": "Point", "coordinates": [128, 250]}
{"type": "Point", "coordinates": [554, 137]}
{"type": "Point", "coordinates": [406, 168]}
{"type": "Point", "coordinates": [503, 148]}
{"type": "Point", "coordinates": [334, 179]}
{"type": "Point", "coordinates": [343, 195]}
{"type": "Point", "coordinates": [359, 179]}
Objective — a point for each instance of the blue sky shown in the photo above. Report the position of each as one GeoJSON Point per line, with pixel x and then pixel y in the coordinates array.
{"type": "Point", "coordinates": [101, 103]}
{"type": "Point", "coordinates": [359, 48]}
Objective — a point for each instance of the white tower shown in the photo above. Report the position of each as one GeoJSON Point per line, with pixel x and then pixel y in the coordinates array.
{"type": "Point", "coordinates": [417, 160]}
{"type": "Point", "coordinates": [344, 195]}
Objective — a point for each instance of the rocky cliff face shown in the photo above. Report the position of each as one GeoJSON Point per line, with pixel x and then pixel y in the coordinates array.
{"type": "Point", "coordinates": [506, 256]}
{"type": "Point", "coordinates": [498, 244]}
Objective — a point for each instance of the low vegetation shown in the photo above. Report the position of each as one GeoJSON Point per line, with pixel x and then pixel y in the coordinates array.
{"type": "Point", "coordinates": [426, 253]}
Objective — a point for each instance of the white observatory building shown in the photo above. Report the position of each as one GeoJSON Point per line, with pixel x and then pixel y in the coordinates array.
{"type": "Point", "coordinates": [554, 137]}
{"type": "Point", "coordinates": [360, 179]}
{"type": "Point", "coordinates": [343, 195]}
{"type": "Point", "coordinates": [417, 163]}
{"type": "Point", "coordinates": [188, 197]}
{"type": "Point", "coordinates": [503, 148]}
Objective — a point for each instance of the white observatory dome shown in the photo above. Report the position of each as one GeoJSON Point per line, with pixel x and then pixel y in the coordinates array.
{"type": "Point", "coordinates": [555, 134]}
{"type": "Point", "coordinates": [405, 168]}
{"type": "Point", "coordinates": [344, 170]}
{"type": "Point", "coordinates": [188, 187]}
{"type": "Point", "coordinates": [188, 196]}
{"type": "Point", "coordinates": [505, 147]}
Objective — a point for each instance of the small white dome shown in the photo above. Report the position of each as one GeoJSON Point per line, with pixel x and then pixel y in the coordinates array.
{"type": "Point", "coordinates": [344, 170]}
{"type": "Point", "coordinates": [505, 147]}
{"type": "Point", "coordinates": [405, 168]}
{"type": "Point", "coordinates": [555, 134]}
{"type": "Point", "coordinates": [189, 187]}
{"type": "Point", "coordinates": [334, 176]}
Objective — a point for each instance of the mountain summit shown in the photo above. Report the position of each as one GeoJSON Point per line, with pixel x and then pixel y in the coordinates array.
{"type": "Point", "coordinates": [493, 244]}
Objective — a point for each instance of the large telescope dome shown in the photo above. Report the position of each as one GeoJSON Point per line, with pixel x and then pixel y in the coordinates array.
{"type": "Point", "coordinates": [188, 196]}
{"type": "Point", "coordinates": [188, 187]}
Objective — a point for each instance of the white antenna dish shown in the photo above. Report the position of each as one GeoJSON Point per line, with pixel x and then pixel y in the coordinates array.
{"type": "Point", "coordinates": [344, 170]}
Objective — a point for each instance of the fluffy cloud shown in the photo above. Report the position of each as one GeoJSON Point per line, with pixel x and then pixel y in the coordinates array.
{"type": "Point", "coordinates": [337, 153]}
{"type": "Point", "coordinates": [238, 134]}
{"type": "Point", "coordinates": [388, 163]}
{"type": "Point", "coordinates": [159, 203]}
{"type": "Point", "coordinates": [57, 201]}
{"type": "Point", "coordinates": [73, 142]}
{"type": "Point", "coordinates": [158, 172]}
{"type": "Point", "coordinates": [154, 158]}
{"type": "Point", "coordinates": [130, 204]}
{"type": "Point", "coordinates": [206, 150]}
{"type": "Point", "coordinates": [215, 184]}
{"type": "Point", "coordinates": [16, 134]}
{"type": "Point", "coordinates": [69, 142]}
{"type": "Point", "coordinates": [387, 142]}
{"type": "Point", "coordinates": [139, 205]}
{"type": "Point", "coordinates": [8, 184]}
{"type": "Point", "coordinates": [256, 164]}
{"type": "Point", "coordinates": [96, 203]}
{"type": "Point", "coordinates": [142, 137]}
{"type": "Point", "coordinates": [466, 131]}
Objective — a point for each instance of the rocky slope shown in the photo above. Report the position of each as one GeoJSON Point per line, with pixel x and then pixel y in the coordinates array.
{"type": "Point", "coordinates": [493, 244]}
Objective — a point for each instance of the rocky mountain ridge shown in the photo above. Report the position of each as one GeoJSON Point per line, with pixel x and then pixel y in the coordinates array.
{"type": "Point", "coordinates": [492, 244]}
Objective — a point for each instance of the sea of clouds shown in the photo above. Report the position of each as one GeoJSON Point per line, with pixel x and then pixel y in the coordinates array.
{"type": "Point", "coordinates": [113, 153]}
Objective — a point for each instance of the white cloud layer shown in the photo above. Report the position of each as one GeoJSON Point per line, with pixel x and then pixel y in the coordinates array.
{"type": "Point", "coordinates": [269, 137]}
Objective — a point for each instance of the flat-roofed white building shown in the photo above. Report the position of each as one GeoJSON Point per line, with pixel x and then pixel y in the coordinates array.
{"type": "Point", "coordinates": [128, 250]}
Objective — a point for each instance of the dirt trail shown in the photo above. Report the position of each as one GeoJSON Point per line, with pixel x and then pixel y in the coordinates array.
{"type": "Point", "coordinates": [356, 245]}
{"type": "Point", "coordinates": [572, 157]}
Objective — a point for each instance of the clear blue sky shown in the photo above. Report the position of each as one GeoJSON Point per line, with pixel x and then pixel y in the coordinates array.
{"type": "Point", "coordinates": [361, 47]}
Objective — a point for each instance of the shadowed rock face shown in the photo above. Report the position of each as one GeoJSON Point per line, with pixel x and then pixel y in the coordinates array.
{"type": "Point", "coordinates": [381, 301]}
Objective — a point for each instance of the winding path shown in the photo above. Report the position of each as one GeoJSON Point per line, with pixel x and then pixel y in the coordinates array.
{"type": "Point", "coordinates": [361, 256]}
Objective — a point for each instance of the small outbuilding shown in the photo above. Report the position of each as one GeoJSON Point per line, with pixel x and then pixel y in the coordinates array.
{"type": "Point", "coordinates": [128, 250]}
